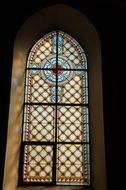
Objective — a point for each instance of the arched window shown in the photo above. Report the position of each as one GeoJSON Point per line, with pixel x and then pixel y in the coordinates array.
{"type": "Point", "coordinates": [55, 140]}
{"type": "Point", "coordinates": [78, 26]}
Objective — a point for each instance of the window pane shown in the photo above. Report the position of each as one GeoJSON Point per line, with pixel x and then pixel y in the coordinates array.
{"type": "Point", "coordinates": [72, 164]}
{"type": "Point", "coordinates": [75, 90]}
{"type": "Point", "coordinates": [37, 163]}
{"type": "Point", "coordinates": [72, 124]}
{"type": "Point", "coordinates": [39, 123]}
{"type": "Point", "coordinates": [37, 89]}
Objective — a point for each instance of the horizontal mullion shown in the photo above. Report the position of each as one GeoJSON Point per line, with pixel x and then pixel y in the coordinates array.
{"type": "Point", "coordinates": [55, 104]}
{"type": "Point", "coordinates": [48, 184]}
{"type": "Point", "coordinates": [51, 143]}
{"type": "Point", "coordinates": [59, 123]}
{"type": "Point", "coordinates": [62, 69]}
{"type": "Point", "coordinates": [37, 143]}
{"type": "Point", "coordinates": [81, 87]}
{"type": "Point", "coordinates": [81, 142]}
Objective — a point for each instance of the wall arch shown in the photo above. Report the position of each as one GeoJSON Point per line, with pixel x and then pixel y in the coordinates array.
{"type": "Point", "coordinates": [78, 26]}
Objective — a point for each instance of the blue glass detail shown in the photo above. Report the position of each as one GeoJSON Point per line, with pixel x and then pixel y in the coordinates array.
{"type": "Point", "coordinates": [59, 90]}
{"type": "Point", "coordinates": [34, 66]}
{"type": "Point", "coordinates": [81, 70]}
{"type": "Point", "coordinates": [56, 70]}
{"type": "Point", "coordinates": [54, 99]}
{"type": "Point", "coordinates": [60, 40]}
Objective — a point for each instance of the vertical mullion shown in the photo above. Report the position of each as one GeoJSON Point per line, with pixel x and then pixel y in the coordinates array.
{"type": "Point", "coordinates": [56, 101]}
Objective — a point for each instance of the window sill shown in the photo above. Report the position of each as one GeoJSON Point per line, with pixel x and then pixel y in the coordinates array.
{"type": "Point", "coordinates": [56, 188]}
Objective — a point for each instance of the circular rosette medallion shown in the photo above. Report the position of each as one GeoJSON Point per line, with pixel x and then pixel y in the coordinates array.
{"type": "Point", "coordinates": [53, 70]}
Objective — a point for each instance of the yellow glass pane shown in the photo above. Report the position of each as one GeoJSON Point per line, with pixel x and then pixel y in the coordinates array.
{"type": "Point", "coordinates": [39, 123]}
{"type": "Point", "coordinates": [70, 166]}
{"type": "Point", "coordinates": [38, 163]}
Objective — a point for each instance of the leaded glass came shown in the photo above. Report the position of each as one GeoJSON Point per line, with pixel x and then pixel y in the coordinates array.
{"type": "Point", "coordinates": [55, 140]}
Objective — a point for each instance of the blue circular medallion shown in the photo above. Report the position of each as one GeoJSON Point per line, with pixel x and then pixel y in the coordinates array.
{"type": "Point", "coordinates": [52, 71]}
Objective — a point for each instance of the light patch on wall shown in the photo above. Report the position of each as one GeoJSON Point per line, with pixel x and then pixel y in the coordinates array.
{"type": "Point", "coordinates": [14, 129]}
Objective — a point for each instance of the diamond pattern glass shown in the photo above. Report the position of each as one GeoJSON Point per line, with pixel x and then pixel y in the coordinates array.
{"type": "Point", "coordinates": [39, 123]}
{"type": "Point", "coordinates": [70, 167]}
{"type": "Point", "coordinates": [71, 122]}
{"type": "Point", "coordinates": [37, 89]}
{"type": "Point", "coordinates": [38, 163]}
{"type": "Point", "coordinates": [76, 90]}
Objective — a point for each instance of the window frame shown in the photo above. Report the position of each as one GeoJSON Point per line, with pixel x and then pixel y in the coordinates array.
{"type": "Point", "coordinates": [54, 144]}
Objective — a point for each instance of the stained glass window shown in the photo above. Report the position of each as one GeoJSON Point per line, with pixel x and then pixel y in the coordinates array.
{"type": "Point", "coordinates": [55, 142]}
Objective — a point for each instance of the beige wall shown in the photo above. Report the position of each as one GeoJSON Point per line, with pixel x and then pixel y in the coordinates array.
{"type": "Point", "coordinates": [78, 26]}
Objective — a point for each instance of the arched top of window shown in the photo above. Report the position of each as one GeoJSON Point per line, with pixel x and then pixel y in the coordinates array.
{"type": "Point", "coordinates": [58, 59]}
{"type": "Point", "coordinates": [68, 47]}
